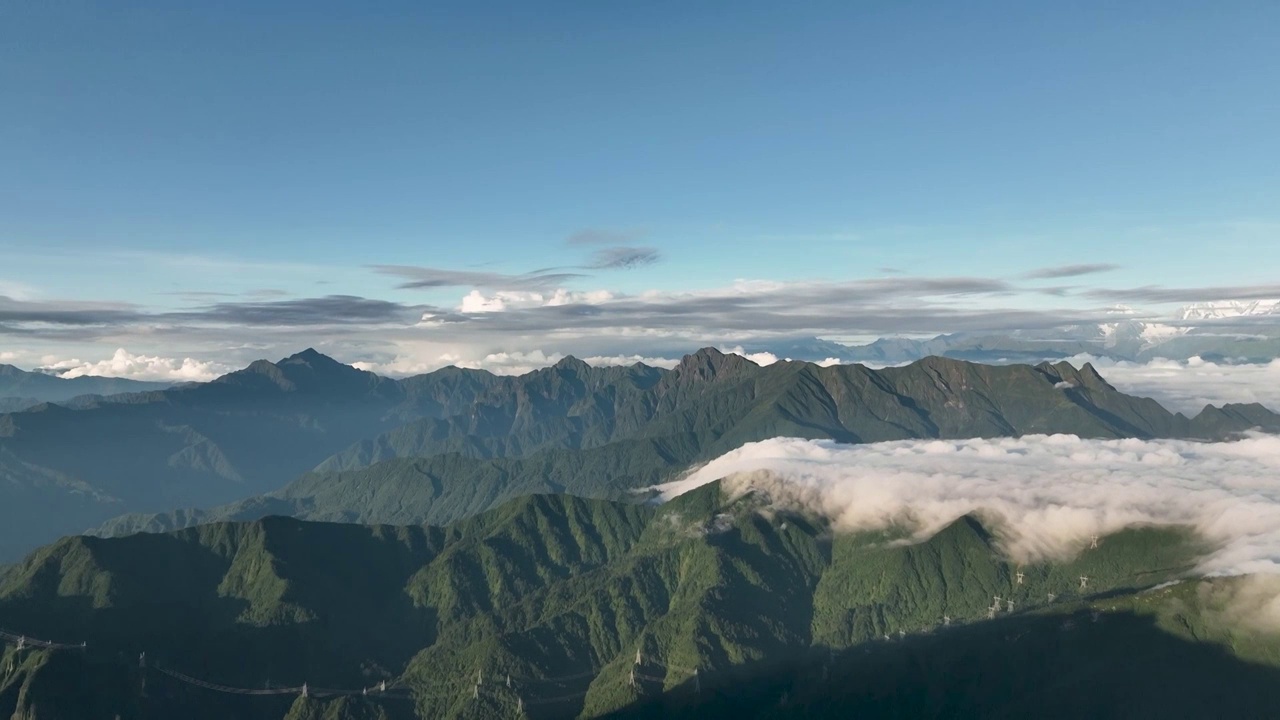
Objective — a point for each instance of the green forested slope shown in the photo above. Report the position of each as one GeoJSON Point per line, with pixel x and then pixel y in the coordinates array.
{"type": "Point", "coordinates": [777, 615]}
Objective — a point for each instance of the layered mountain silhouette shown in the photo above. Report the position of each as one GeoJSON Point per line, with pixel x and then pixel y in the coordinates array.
{"type": "Point", "coordinates": [555, 606]}
{"type": "Point", "coordinates": [20, 389]}
{"type": "Point", "coordinates": [440, 446]}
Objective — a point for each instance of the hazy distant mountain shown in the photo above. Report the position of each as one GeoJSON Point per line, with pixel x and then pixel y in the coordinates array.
{"type": "Point", "coordinates": [64, 469]}
{"type": "Point", "coordinates": [14, 404]}
{"type": "Point", "coordinates": [21, 389]}
{"type": "Point", "coordinates": [554, 606]}
{"type": "Point", "coordinates": [1122, 340]}
{"type": "Point", "coordinates": [1246, 331]}
{"type": "Point", "coordinates": [602, 432]}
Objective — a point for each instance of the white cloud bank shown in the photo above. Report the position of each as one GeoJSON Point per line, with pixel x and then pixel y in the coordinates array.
{"type": "Point", "coordinates": [1047, 494]}
{"type": "Point", "coordinates": [1189, 385]}
{"type": "Point", "coordinates": [124, 364]}
{"type": "Point", "coordinates": [503, 300]}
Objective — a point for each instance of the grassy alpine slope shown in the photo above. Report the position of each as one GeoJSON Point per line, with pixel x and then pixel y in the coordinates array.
{"type": "Point", "coordinates": [776, 614]}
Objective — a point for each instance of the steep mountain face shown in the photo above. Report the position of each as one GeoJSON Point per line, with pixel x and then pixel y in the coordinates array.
{"type": "Point", "coordinates": [553, 606]}
{"type": "Point", "coordinates": [605, 432]}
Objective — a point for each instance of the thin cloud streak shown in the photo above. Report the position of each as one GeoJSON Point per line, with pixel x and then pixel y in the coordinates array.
{"type": "Point", "coordinates": [623, 258]}
{"type": "Point", "coordinates": [426, 277]}
{"type": "Point", "coordinates": [328, 310]}
{"type": "Point", "coordinates": [65, 312]}
{"type": "Point", "coordinates": [598, 236]}
{"type": "Point", "coordinates": [1069, 271]}
{"type": "Point", "coordinates": [1155, 294]}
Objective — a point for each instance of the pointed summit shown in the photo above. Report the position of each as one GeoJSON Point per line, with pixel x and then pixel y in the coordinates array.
{"type": "Point", "coordinates": [311, 358]}
{"type": "Point", "coordinates": [573, 364]}
{"type": "Point", "coordinates": [313, 368]}
{"type": "Point", "coordinates": [709, 363]}
{"type": "Point", "coordinates": [308, 371]}
{"type": "Point", "coordinates": [1093, 378]}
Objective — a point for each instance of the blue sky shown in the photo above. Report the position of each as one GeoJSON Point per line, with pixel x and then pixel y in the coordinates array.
{"type": "Point", "coordinates": [277, 150]}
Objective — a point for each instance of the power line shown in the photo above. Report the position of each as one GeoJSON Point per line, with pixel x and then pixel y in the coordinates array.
{"type": "Point", "coordinates": [228, 689]}
{"type": "Point", "coordinates": [25, 641]}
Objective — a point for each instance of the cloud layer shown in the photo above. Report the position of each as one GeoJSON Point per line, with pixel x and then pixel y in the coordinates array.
{"type": "Point", "coordinates": [124, 364]}
{"type": "Point", "coordinates": [1047, 494]}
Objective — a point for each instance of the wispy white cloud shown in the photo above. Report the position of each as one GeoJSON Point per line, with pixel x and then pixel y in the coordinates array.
{"type": "Point", "coordinates": [759, 358]}
{"type": "Point", "coordinates": [624, 360]}
{"type": "Point", "coordinates": [476, 302]}
{"type": "Point", "coordinates": [124, 364]}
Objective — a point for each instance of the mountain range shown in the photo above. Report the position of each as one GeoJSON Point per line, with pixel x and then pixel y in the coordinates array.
{"type": "Point", "coordinates": [440, 446]}
{"type": "Point", "coordinates": [551, 606]}
{"type": "Point", "coordinates": [302, 540]}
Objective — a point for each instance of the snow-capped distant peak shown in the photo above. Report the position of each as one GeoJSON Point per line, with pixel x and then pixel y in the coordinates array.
{"type": "Point", "coordinates": [1132, 331]}
{"type": "Point", "coordinates": [1229, 309]}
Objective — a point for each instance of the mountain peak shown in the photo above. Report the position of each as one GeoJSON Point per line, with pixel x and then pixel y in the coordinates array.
{"type": "Point", "coordinates": [311, 366]}
{"type": "Point", "coordinates": [1093, 378]}
{"type": "Point", "coordinates": [569, 362]}
{"type": "Point", "coordinates": [307, 370]}
{"type": "Point", "coordinates": [311, 357]}
{"type": "Point", "coordinates": [709, 362]}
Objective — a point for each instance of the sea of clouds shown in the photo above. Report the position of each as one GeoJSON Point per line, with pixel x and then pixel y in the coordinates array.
{"type": "Point", "coordinates": [1047, 494]}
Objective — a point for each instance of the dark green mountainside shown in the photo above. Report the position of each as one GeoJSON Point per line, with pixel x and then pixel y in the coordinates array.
{"type": "Point", "coordinates": [724, 401]}
{"type": "Point", "coordinates": [540, 607]}
{"type": "Point", "coordinates": [604, 432]}
{"type": "Point", "coordinates": [64, 470]}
